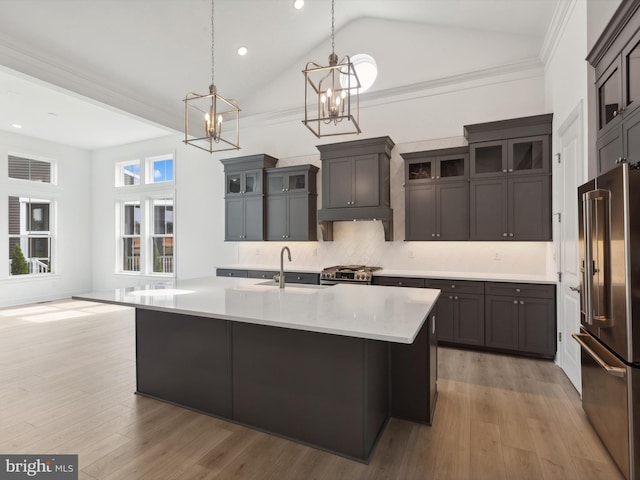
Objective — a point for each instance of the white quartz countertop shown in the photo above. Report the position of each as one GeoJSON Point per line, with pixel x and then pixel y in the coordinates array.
{"type": "Point", "coordinates": [444, 275]}
{"type": "Point", "coordinates": [374, 312]}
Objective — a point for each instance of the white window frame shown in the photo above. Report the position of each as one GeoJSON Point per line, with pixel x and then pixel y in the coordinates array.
{"type": "Point", "coordinates": [169, 260]}
{"type": "Point", "coordinates": [130, 236]}
{"type": "Point", "coordinates": [120, 173]}
{"type": "Point", "coordinates": [36, 266]}
{"type": "Point", "coordinates": [38, 158]}
{"type": "Point", "coordinates": [150, 171]}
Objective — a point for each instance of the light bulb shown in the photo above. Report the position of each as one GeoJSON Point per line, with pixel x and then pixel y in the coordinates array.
{"type": "Point", "coordinates": [343, 94]}
{"type": "Point", "coordinates": [337, 101]}
{"type": "Point", "coordinates": [323, 99]}
{"type": "Point", "coordinates": [328, 92]}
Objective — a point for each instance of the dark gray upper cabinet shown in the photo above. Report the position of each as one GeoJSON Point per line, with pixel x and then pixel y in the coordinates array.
{"type": "Point", "coordinates": [356, 183]}
{"type": "Point", "coordinates": [616, 60]}
{"type": "Point", "coordinates": [291, 212]}
{"type": "Point", "coordinates": [437, 194]}
{"type": "Point", "coordinates": [510, 187]}
{"type": "Point", "coordinates": [244, 196]}
{"type": "Point", "coordinates": [521, 156]}
{"type": "Point", "coordinates": [514, 208]}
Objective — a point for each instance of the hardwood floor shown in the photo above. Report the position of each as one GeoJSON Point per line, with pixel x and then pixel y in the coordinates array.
{"type": "Point", "coordinates": [67, 379]}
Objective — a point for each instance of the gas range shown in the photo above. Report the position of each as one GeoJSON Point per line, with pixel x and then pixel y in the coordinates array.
{"type": "Point", "coordinates": [356, 274]}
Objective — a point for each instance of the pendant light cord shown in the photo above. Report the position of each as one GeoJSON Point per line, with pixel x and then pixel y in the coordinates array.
{"type": "Point", "coordinates": [333, 43]}
{"type": "Point", "coordinates": [212, 49]}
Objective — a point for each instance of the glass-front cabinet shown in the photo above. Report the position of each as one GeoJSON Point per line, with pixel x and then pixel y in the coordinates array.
{"type": "Point", "coordinates": [609, 89]}
{"type": "Point", "coordinates": [241, 183]}
{"type": "Point", "coordinates": [528, 155]}
{"type": "Point", "coordinates": [631, 63]}
{"type": "Point", "coordinates": [436, 165]}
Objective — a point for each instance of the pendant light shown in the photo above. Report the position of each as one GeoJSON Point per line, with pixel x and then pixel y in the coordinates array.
{"type": "Point", "coordinates": [211, 122]}
{"type": "Point", "coordinates": [331, 94]}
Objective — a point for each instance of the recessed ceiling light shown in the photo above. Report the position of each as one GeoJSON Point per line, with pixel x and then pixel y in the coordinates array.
{"type": "Point", "coordinates": [16, 125]}
{"type": "Point", "coordinates": [298, 4]}
{"type": "Point", "coordinates": [242, 51]}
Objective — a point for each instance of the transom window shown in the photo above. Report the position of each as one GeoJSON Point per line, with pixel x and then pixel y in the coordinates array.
{"type": "Point", "coordinates": [23, 168]}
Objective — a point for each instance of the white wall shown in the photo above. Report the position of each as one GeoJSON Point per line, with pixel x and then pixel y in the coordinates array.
{"type": "Point", "coordinates": [71, 249]}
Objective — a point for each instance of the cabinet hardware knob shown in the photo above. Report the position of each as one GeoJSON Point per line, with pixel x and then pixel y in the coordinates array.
{"type": "Point", "coordinates": [230, 274]}
{"type": "Point", "coordinates": [299, 278]}
{"type": "Point", "coordinates": [504, 170]}
{"type": "Point", "coordinates": [511, 234]}
{"type": "Point", "coordinates": [521, 302]}
{"type": "Point", "coordinates": [518, 290]}
{"type": "Point", "coordinates": [504, 234]}
{"type": "Point", "coordinates": [453, 286]}
{"type": "Point", "coordinates": [515, 302]}
{"type": "Point", "coordinates": [400, 283]}
{"type": "Point", "coordinates": [433, 178]}
{"type": "Point", "coordinates": [283, 236]}
{"type": "Point", "coordinates": [437, 176]}
{"type": "Point", "coordinates": [455, 298]}
{"type": "Point", "coordinates": [450, 297]}
{"type": "Point", "coordinates": [574, 289]}
{"type": "Point", "coordinates": [283, 190]}
{"type": "Point", "coordinates": [511, 170]}
{"type": "Point", "coordinates": [615, 113]}
{"type": "Point", "coordinates": [437, 234]}
{"type": "Point", "coordinates": [433, 234]}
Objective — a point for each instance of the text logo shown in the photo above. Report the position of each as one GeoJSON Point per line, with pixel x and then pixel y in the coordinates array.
{"type": "Point", "coordinates": [49, 467]}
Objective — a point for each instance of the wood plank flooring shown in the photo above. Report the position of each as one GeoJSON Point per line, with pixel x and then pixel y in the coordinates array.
{"type": "Point", "coordinates": [67, 379]}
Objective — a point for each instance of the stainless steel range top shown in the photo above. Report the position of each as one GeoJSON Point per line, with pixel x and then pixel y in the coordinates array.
{"type": "Point", "coordinates": [359, 274]}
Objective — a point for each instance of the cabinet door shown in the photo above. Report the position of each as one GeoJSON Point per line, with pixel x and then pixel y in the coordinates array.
{"type": "Point", "coordinates": [297, 182]}
{"type": "Point", "coordinates": [469, 319]}
{"type": "Point", "coordinates": [420, 170]}
{"type": "Point", "coordinates": [488, 209]}
{"type": "Point", "coordinates": [338, 191]}
{"type": "Point", "coordinates": [453, 211]}
{"type": "Point", "coordinates": [488, 158]}
{"type": "Point", "coordinates": [275, 182]}
{"type": "Point", "coordinates": [536, 326]}
{"type": "Point", "coordinates": [444, 318]}
{"type": "Point", "coordinates": [501, 322]}
{"type": "Point", "coordinates": [529, 155]}
{"type": "Point", "coordinates": [530, 208]}
{"type": "Point", "coordinates": [253, 215]}
{"type": "Point", "coordinates": [234, 219]}
{"type": "Point", "coordinates": [452, 168]}
{"type": "Point", "coordinates": [252, 180]}
{"type": "Point", "coordinates": [233, 183]}
{"type": "Point", "coordinates": [366, 177]}
{"type": "Point", "coordinates": [610, 149]}
{"type": "Point", "coordinates": [298, 217]}
{"type": "Point", "coordinates": [609, 93]}
{"type": "Point", "coordinates": [276, 217]}
{"type": "Point", "coordinates": [631, 78]}
{"type": "Point", "coordinates": [631, 137]}
{"type": "Point", "coordinates": [420, 212]}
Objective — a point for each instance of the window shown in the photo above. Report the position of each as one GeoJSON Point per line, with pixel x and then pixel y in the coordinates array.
{"type": "Point", "coordinates": [128, 173]}
{"type": "Point", "coordinates": [29, 235]}
{"type": "Point", "coordinates": [162, 236]}
{"type": "Point", "coordinates": [29, 169]}
{"type": "Point", "coordinates": [131, 217]}
{"type": "Point", "coordinates": [161, 169]}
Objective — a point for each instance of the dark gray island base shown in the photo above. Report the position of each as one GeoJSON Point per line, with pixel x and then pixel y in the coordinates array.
{"type": "Point", "coordinates": [329, 391]}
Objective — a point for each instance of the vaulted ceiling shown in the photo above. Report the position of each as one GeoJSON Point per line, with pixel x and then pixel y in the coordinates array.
{"type": "Point", "coordinates": [117, 62]}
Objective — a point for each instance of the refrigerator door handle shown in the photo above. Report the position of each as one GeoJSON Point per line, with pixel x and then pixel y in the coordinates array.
{"type": "Point", "coordinates": [582, 339]}
{"type": "Point", "coordinates": [597, 310]}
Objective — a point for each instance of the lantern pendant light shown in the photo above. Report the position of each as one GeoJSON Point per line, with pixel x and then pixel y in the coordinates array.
{"type": "Point", "coordinates": [211, 122]}
{"type": "Point", "coordinates": [331, 94]}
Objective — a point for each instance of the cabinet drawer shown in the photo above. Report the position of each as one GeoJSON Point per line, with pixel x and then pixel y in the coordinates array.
{"type": "Point", "coordinates": [229, 272]}
{"type": "Point", "coordinates": [520, 289]}
{"type": "Point", "coordinates": [266, 274]}
{"type": "Point", "coordinates": [398, 282]}
{"type": "Point", "coordinates": [453, 286]}
{"type": "Point", "coordinates": [297, 277]}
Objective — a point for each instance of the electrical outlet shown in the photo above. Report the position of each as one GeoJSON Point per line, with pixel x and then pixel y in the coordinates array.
{"type": "Point", "coordinates": [497, 257]}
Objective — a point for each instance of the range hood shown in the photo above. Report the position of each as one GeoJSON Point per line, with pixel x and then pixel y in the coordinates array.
{"type": "Point", "coordinates": [356, 184]}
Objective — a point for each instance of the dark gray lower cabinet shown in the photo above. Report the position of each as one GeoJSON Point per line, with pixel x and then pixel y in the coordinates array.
{"type": "Point", "coordinates": [459, 311]}
{"type": "Point", "coordinates": [290, 277]}
{"type": "Point", "coordinates": [521, 317]}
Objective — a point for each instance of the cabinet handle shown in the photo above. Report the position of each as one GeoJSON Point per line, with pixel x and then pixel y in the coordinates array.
{"type": "Point", "coordinates": [455, 298]}
{"type": "Point", "coordinates": [437, 176]}
{"type": "Point", "coordinates": [433, 178]}
{"type": "Point", "coordinates": [504, 170]}
{"type": "Point", "coordinates": [518, 290]}
{"type": "Point", "coordinates": [515, 302]}
{"type": "Point", "coordinates": [283, 236]}
{"type": "Point", "coordinates": [620, 160]}
{"type": "Point", "coordinates": [511, 170]}
{"type": "Point", "coordinates": [511, 234]}
{"type": "Point", "coordinates": [453, 286]}
{"type": "Point", "coordinates": [433, 234]}
{"type": "Point", "coordinates": [450, 297]}
{"type": "Point", "coordinates": [283, 190]}
{"type": "Point", "coordinates": [437, 234]}
{"type": "Point", "coordinates": [521, 302]}
{"type": "Point", "coordinates": [504, 234]}
{"type": "Point", "coordinates": [399, 284]}
{"type": "Point", "coordinates": [264, 276]}
{"type": "Point", "coordinates": [230, 274]}
{"type": "Point", "coordinates": [299, 278]}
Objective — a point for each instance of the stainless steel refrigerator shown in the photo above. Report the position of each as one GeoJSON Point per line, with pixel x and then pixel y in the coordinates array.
{"type": "Point", "coordinates": [609, 245]}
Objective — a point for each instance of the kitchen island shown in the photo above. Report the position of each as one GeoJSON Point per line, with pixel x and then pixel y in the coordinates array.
{"type": "Point", "coordinates": [322, 365]}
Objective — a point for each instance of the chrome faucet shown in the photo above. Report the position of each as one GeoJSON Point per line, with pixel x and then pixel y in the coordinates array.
{"type": "Point", "coordinates": [281, 276]}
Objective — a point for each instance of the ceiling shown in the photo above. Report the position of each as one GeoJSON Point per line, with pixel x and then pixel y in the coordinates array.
{"type": "Point", "coordinates": [97, 73]}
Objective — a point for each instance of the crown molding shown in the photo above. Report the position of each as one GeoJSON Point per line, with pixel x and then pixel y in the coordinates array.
{"type": "Point", "coordinates": [526, 68]}
{"type": "Point", "coordinates": [557, 26]}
